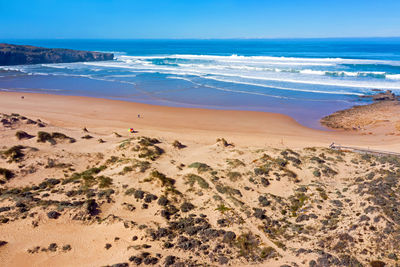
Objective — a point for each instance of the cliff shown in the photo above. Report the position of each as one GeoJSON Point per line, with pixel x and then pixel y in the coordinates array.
{"type": "Point", "coordinates": [24, 54]}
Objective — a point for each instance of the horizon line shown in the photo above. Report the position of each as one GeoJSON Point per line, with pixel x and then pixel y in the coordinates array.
{"type": "Point", "coordinates": [233, 38]}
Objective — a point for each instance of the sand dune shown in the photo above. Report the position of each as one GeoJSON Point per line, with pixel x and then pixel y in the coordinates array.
{"type": "Point", "coordinates": [191, 187]}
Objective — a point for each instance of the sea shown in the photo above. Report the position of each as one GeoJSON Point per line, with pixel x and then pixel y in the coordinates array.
{"type": "Point", "coordinates": [303, 78]}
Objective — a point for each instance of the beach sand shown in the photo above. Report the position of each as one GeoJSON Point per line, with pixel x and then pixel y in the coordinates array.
{"type": "Point", "coordinates": [200, 125]}
{"type": "Point", "coordinates": [262, 189]}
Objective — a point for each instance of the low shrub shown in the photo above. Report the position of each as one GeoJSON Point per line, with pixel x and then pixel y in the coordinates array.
{"type": "Point", "coordinates": [193, 178]}
{"type": "Point", "coordinates": [43, 137]}
{"type": "Point", "coordinates": [201, 167]}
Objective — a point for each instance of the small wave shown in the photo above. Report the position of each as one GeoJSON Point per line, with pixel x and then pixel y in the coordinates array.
{"type": "Point", "coordinates": [55, 66]}
{"type": "Point", "coordinates": [371, 74]}
{"type": "Point", "coordinates": [393, 76]}
{"type": "Point", "coordinates": [252, 76]}
{"type": "Point", "coordinates": [285, 88]}
{"type": "Point", "coordinates": [268, 59]}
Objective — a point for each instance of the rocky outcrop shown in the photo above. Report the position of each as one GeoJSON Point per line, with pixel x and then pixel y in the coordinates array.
{"type": "Point", "coordinates": [383, 96]}
{"type": "Point", "coordinates": [25, 54]}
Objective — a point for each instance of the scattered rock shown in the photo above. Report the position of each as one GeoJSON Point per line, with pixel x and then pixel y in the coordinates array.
{"type": "Point", "coordinates": [53, 215]}
{"type": "Point", "coordinates": [186, 207]}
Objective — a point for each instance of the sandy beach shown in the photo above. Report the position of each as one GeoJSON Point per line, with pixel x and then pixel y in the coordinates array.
{"type": "Point", "coordinates": [201, 125]}
{"type": "Point", "coordinates": [190, 187]}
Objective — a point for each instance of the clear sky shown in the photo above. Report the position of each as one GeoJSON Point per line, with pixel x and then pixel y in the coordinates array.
{"type": "Point", "coordinates": [198, 18]}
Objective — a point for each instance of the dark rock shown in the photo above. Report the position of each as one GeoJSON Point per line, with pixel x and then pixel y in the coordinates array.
{"type": "Point", "coordinates": [265, 182]}
{"type": "Point", "coordinates": [364, 218]}
{"type": "Point", "coordinates": [66, 247]}
{"type": "Point", "coordinates": [169, 260]}
{"type": "Point", "coordinates": [168, 245]}
{"type": "Point", "coordinates": [25, 54]}
{"type": "Point", "coordinates": [223, 222]}
{"type": "Point", "coordinates": [377, 264]}
{"type": "Point", "coordinates": [223, 260]}
{"type": "Point", "coordinates": [229, 237]}
{"type": "Point", "coordinates": [264, 201]}
{"type": "Point", "coordinates": [337, 203]}
{"type": "Point", "coordinates": [91, 206]}
{"type": "Point", "coordinates": [187, 244]}
{"type": "Point", "coordinates": [3, 209]}
{"type": "Point", "coordinates": [186, 207]}
{"type": "Point", "coordinates": [52, 247]}
{"type": "Point", "coordinates": [149, 198]}
{"type": "Point", "coordinates": [259, 213]}
{"type": "Point", "coordinates": [136, 260]}
{"type": "Point", "coordinates": [385, 96]}
{"type": "Point", "coordinates": [53, 214]}
{"type": "Point", "coordinates": [302, 217]}
{"type": "Point", "coordinates": [162, 201]}
{"type": "Point", "coordinates": [150, 261]}
{"type": "Point", "coordinates": [139, 194]}
{"type": "Point", "coordinates": [3, 243]}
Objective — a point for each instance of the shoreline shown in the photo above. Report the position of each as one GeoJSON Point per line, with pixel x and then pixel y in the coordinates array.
{"type": "Point", "coordinates": [205, 125]}
{"type": "Point", "coordinates": [379, 117]}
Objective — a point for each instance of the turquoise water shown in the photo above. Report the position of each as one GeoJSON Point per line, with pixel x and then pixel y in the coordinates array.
{"type": "Point", "coordinates": [305, 79]}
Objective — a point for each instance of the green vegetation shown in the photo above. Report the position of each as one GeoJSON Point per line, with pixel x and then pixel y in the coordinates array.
{"type": "Point", "coordinates": [104, 181]}
{"type": "Point", "coordinates": [234, 176]}
{"type": "Point", "coordinates": [201, 167]}
{"type": "Point", "coordinates": [262, 170]}
{"type": "Point", "coordinates": [62, 136]}
{"type": "Point", "coordinates": [297, 202]}
{"type": "Point", "coordinates": [112, 160]}
{"type": "Point", "coordinates": [322, 193]}
{"type": "Point", "coordinates": [130, 191]}
{"type": "Point", "coordinates": [22, 135]}
{"type": "Point", "coordinates": [317, 173]}
{"type": "Point", "coordinates": [87, 176]}
{"type": "Point", "coordinates": [281, 162]}
{"type": "Point", "coordinates": [165, 181]}
{"type": "Point", "coordinates": [222, 208]}
{"type": "Point", "coordinates": [146, 141]}
{"type": "Point", "coordinates": [141, 165]}
{"type": "Point", "coordinates": [151, 153]}
{"type": "Point", "coordinates": [268, 252]}
{"type": "Point", "coordinates": [126, 169]}
{"type": "Point", "coordinates": [234, 163]}
{"type": "Point", "coordinates": [193, 178]}
{"type": "Point", "coordinates": [178, 145]}
{"type": "Point", "coordinates": [247, 244]}
{"type": "Point", "coordinates": [223, 142]}
{"type": "Point", "coordinates": [7, 174]}
{"type": "Point", "coordinates": [43, 137]}
{"type": "Point", "coordinates": [14, 154]}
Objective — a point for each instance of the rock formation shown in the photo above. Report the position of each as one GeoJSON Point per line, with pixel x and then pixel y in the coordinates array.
{"type": "Point", "coordinates": [25, 54]}
{"type": "Point", "coordinates": [383, 96]}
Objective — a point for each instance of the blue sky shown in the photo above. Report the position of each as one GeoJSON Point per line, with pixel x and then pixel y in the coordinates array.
{"type": "Point", "coordinates": [198, 18]}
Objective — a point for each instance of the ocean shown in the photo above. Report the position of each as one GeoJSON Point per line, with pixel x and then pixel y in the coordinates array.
{"type": "Point", "coordinates": [305, 78]}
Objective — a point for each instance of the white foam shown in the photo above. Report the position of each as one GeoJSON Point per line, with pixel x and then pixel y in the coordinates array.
{"type": "Point", "coordinates": [287, 77]}
{"type": "Point", "coordinates": [285, 88]}
{"type": "Point", "coordinates": [393, 76]}
{"type": "Point", "coordinates": [267, 59]}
